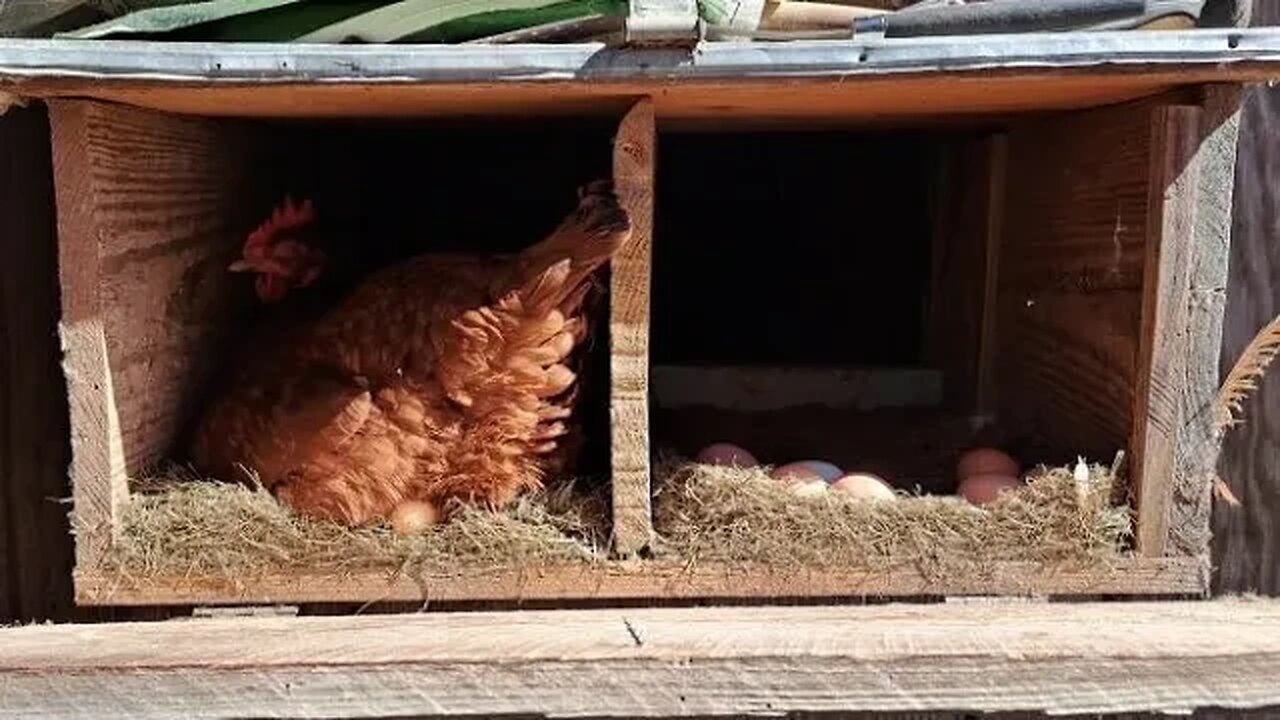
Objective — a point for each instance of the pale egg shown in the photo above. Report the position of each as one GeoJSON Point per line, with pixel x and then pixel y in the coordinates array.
{"type": "Point", "coordinates": [985, 461]}
{"type": "Point", "coordinates": [810, 489]}
{"type": "Point", "coordinates": [982, 489]}
{"type": "Point", "coordinates": [411, 517]}
{"type": "Point", "coordinates": [727, 455]}
{"type": "Point", "coordinates": [796, 473]}
{"type": "Point", "coordinates": [829, 472]}
{"type": "Point", "coordinates": [864, 486]}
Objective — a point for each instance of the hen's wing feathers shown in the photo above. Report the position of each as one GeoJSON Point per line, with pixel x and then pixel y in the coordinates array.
{"type": "Point", "coordinates": [271, 428]}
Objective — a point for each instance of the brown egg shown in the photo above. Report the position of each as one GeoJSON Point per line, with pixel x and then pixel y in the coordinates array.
{"type": "Point", "coordinates": [810, 488]}
{"type": "Point", "coordinates": [796, 473]}
{"type": "Point", "coordinates": [411, 517]}
{"type": "Point", "coordinates": [985, 461]}
{"type": "Point", "coordinates": [864, 486]}
{"type": "Point", "coordinates": [727, 455]}
{"type": "Point", "coordinates": [982, 489]}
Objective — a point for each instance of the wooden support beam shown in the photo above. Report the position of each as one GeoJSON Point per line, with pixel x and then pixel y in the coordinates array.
{"type": "Point", "coordinates": [633, 163]}
{"type": "Point", "coordinates": [983, 657]}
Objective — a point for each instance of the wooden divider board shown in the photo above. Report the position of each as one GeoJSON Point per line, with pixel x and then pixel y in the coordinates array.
{"type": "Point", "coordinates": [633, 167]}
{"type": "Point", "coordinates": [150, 209]}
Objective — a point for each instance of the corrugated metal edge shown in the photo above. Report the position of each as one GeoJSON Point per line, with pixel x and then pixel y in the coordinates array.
{"type": "Point", "coordinates": [1229, 52]}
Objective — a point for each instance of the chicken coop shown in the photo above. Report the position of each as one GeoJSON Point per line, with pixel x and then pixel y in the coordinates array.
{"type": "Point", "coordinates": [877, 254]}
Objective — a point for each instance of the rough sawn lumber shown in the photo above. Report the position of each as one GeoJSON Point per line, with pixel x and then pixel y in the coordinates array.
{"type": "Point", "coordinates": [1084, 658]}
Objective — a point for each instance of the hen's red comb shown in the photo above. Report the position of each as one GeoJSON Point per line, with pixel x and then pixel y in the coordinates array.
{"type": "Point", "coordinates": [287, 216]}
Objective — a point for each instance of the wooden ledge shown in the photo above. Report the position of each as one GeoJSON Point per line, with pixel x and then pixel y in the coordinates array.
{"type": "Point", "coordinates": [996, 656]}
{"type": "Point", "coordinates": [642, 580]}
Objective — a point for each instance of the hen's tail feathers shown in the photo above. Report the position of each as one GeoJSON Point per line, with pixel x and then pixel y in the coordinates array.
{"type": "Point", "coordinates": [587, 239]}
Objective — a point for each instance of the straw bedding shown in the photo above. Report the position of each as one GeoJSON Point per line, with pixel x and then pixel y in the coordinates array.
{"type": "Point", "coordinates": [177, 525]}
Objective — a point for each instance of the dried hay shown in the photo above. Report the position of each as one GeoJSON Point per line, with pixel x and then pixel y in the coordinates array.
{"type": "Point", "coordinates": [179, 526]}
{"type": "Point", "coordinates": [718, 514]}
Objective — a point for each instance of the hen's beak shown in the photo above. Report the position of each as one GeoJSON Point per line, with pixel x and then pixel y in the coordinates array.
{"type": "Point", "coordinates": [240, 266]}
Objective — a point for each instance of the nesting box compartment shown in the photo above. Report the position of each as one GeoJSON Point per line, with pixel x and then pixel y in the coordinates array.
{"type": "Point", "coordinates": [1046, 270]}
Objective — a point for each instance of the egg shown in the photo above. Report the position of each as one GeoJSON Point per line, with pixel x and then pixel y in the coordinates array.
{"type": "Point", "coordinates": [810, 489]}
{"type": "Point", "coordinates": [796, 473]}
{"type": "Point", "coordinates": [982, 489]}
{"type": "Point", "coordinates": [727, 455]}
{"type": "Point", "coordinates": [864, 486]}
{"type": "Point", "coordinates": [985, 461]}
{"type": "Point", "coordinates": [829, 472]}
{"type": "Point", "coordinates": [411, 517]}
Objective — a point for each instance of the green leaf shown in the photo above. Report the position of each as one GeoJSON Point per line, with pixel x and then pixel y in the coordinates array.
{"type": "Point", "coordinates": [174, 17]}
{"type": "Point", "coordinates": [282, 24]}
{"type": "Point", "coordinates": [454, 20]}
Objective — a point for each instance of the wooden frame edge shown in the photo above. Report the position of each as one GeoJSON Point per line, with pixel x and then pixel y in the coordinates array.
{"type": "Point", "coordinates": [653, 581]}
{"type": "Point", "coordinates": [633, 176]}
{"type": "Point", "coordinates": [97, 472]}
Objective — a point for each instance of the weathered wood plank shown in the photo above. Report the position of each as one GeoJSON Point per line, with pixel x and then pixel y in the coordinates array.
{"type": "Point", "coordinates": [965, 255]}
{"type": "Point", "coordinates": [630, 271]}
{"type": "Point", "coordinates": [1198, 440]}
{"type": "Point", "coordinates": [707, 104]}
{"type": "Point", "coordinates": [998, 657]}
{"type": "Point", "coordinates": [648, 580]}
{"type": "Point", "coordinates": [1162, 346]}
{"type": "Point", "coordinates": [150, 210]}
{"type": "Point", "coordinates": [35, 557]}
{"type": "Point", "coordinates": [1246, 539]}
{"type": "Point", "coordinates": [1070, 278]}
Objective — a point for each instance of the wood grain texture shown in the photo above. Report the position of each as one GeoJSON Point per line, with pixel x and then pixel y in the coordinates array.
{"type": "Point", "coordinates": [965, 255]}
{"type": "Point", "coordinates": [651, 580]}
{"type": "Point", "coordinates": [1199, 443]}
{"type": "Point", "coordinates": [35, 557]}
{"type": "Point", "coordinates": [1246, 539]}
{"type": "Point", "coordinates": [150, 210]}
{"type": "Point", "coordinates": [1070, 278]}
{"type": "Point", "coordinates": [633, 167]}
{"type": "Point", "coordinates": [989, 657]}
{"type": "Point", "coordinates": [1162, 345]}
{"type": "Point", "coordinates": [701, 104]}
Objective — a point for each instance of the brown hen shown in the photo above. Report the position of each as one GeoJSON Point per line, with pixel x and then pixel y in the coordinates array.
{"type": "Point", "coordinates": [441, 377]}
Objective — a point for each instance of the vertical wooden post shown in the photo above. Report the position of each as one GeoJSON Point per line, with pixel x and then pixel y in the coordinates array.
{"type": "Point", "coordinates": [1189, 238]}
{"type": "Point", "coordinates": [1162, 359]}
{"type": "Point", "coordinates": [633, 163]}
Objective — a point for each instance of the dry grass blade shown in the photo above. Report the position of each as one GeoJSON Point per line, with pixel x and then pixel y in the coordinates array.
{"type": "Point", "coordinates": [1223, 491]}
{"type": "Point", "coordinates": [730, 515]}
{"type": "Point", "coordinates": [1244, 375]}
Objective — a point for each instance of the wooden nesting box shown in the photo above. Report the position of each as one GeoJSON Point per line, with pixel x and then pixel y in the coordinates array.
{"type": "Point", "coordinates": [1068, 215]}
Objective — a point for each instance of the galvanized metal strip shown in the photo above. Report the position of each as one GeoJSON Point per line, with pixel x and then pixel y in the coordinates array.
{"type": "Point", "coordinates": [269, 62]}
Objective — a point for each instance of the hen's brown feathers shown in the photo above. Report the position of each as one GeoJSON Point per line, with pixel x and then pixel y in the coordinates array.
{"type": "Point", "coordinates": [439, 378]}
